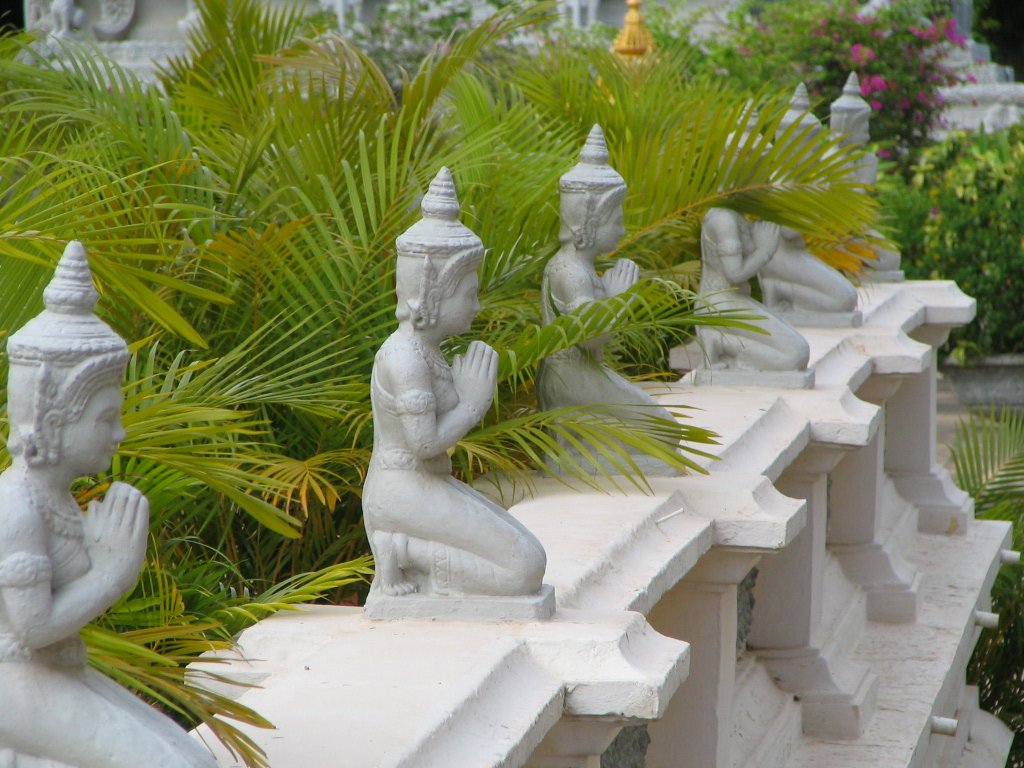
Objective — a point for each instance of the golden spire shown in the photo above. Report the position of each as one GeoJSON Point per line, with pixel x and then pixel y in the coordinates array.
{"type": "Point", "coordinates": [634, 39]}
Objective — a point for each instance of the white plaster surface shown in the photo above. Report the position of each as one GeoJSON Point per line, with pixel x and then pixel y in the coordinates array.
{"type": "Point", "coordinates": [870, 636]}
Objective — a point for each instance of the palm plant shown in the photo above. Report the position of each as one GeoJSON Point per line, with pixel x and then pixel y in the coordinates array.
{"type": "Point", "coordinates": [241, 222]}
{"type": "Point", "coordinates": [988, 457]}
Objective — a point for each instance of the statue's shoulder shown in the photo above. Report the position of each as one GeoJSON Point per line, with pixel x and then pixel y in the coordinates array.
{"type": "Point", "coordinates": [401, 359]}
{"type": "Point", "coordinates": [565, 275]}
{"type": "Point", "coordinates": [20, 520]}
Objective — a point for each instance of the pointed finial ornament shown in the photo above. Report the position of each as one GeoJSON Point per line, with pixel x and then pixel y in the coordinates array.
{"type": "Point", "coordinates": [634, 40]}
{"type": "Point", "coordinates": [67, 331]}
{"type": "Point", "coordinates": [799, 113]}
{"type": "Point", "coordinates": [852, 87]}
{"type": "Point", "coordinates": [850, 114]}
{"type": "Point", "coordinates": [595, 148]}
{"type": "Point", "coordinates": [800, 98]}
{"type": "Point", "coordinates": [71, 290]}
{"type": "Point", "coordinates": [441, 200]}
{"type": "Point", "coordinates": [592, 172]}
{"type": "Point", "coordinates": [439, 234]}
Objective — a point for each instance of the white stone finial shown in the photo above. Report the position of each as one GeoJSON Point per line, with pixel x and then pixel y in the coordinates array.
{"type": "Point", "coordinates": [592, 172]}
{"type": "Point", "coordinates": [441, 200]}
{"type": "Point", "coordinates": [439, 234]}
{"type": "Point", "coordinates": [799, 114]}
{"type": "Point", "coordinates": [801, 100]}
{"type": "Point", "coordinates": [71, 290]}
{"type": "Point", "coordinates": [595, 148]}
{"type": "Point", "coordinates": [852, 85]}
{"type": "Point", "coordinates": [850, 114]}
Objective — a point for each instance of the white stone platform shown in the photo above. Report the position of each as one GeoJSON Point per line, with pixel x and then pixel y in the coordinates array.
{"type": "Point", "coordinates": [870, 571]}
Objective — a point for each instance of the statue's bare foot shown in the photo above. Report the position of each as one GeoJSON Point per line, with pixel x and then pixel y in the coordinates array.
{"type": "Point", "coordinates": [392, 556]}
{"type": "Point", "coordinates": [397, 589]}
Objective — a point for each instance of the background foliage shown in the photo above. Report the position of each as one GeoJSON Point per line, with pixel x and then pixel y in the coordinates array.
{"type": "Point", "coordinates": [961, 217]}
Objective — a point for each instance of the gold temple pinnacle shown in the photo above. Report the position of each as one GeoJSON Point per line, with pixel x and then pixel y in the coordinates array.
{"type": "Point", "coordinates": [634, 39]}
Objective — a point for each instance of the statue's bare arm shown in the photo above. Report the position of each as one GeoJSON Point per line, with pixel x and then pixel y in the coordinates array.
{"type": "Point", "coordinates": [115, 539]}
{"type": "Point", "coordinates": [426, 432]}
{"type": "Point", "coordinates": [570, 290]}
{"type": "Point", "coordinates": [724, 231]}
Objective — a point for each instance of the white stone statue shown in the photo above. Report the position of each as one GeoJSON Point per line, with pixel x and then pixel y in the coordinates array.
{"type": "Point", "coordinates": [65, 18]}
{"type": "Point", "coordinates": [732, 252]}
{"type": "Point", "coordinates": [59, 569]}
{"type": "Point", "coordinates": [850, 118]}
{"type": "Point", "coordinates": [794, 282]}
{"type": "Point", "coordinates": [592, 193]}
{"type": "Point", "coordinates": [431, 534]}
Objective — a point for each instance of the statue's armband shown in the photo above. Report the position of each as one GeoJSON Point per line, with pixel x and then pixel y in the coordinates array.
{"type": "Point", "coordinates": [415, 403]}
{"type": "Point", "coordinates": [24, 570]}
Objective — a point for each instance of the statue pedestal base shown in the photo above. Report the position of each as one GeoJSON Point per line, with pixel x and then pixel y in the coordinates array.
{"type": "Point", "coordinates": [809, 319]}
{"type": "Point", "coordinates": [380, 607]}
{"type": "Point", "coordinates": [737, 377]}
{"type": "Point", "coordinates": [882, 276]}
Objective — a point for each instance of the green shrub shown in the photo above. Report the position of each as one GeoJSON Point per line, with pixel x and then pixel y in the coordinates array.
{"type": "Point", "coordinates": [972, 232]}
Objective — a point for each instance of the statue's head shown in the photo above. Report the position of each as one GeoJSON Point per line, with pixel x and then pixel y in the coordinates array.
{"type": "Point", "coordinates": [592, 193]}
{"type": "Point", "coordinates": [437, 259]}
{"type": "Point", "coordinates": [799, 124]}
{"type": "Point", "coordinates": [850, 115]}
{"type": "Point", "coordinates": [66, 366]}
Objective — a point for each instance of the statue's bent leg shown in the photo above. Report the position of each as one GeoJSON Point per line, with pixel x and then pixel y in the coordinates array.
{"type": "Point", "coordinates": [117, 730]}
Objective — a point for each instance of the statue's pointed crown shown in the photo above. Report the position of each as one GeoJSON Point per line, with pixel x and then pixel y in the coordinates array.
{"type": "Point", "coordinates": [799, 113]}
{"type": "Point", "coordinates": [439, 234]}
{"type": "Point", "coordinates": [592, 173]}
{"type": "Point", "coordinates": [850, 114]}
{"type": "Point", "coordinates": [67, 331]}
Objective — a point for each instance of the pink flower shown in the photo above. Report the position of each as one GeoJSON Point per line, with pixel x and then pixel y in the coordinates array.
{"type": "Point", "coordinates": [904, 103]}
{"type": "Point", "coordinates": [876, 105]}
{"type": "Point", "coordinates": [878, 83]}
{"type": "Point", "coordinates": [952, 33]}
{"type": "Point", "coordinates": [883, 153]}
{"type": "Point", "coordinates": [861, 54]}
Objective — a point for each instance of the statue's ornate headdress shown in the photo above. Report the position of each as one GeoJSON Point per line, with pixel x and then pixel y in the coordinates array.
{"type": "Point", "coordinates": [439, 244]}
{"type": "Point", "coordinates": [850, 115]}
{"type": "Point", "coordinates": [73, 353]}
{"type": "Point", "coordinates": [594, 179]}
{"type": "Point", "coordinates": [799, 115]}
{"type": "Point", "coordinates": [592, 173]}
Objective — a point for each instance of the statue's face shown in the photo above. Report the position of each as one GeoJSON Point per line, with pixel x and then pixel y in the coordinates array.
{"type": "Point", "coordinates": [89, 443]}
{"type": "Point", "coordinates": [456, 313]}
{"type": "Point", "coordinates": [610, 227]}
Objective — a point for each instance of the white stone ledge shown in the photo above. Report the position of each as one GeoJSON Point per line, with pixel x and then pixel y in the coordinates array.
{"type": "Point", "coordinates": [450, 693]}
{"type": "Point", "coordinates": [350, 693]}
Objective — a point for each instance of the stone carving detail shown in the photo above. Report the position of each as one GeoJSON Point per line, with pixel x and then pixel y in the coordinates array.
{"type": "Point", "coordinates": [430, 533]}
{"type": "Point", "coordinates": [65, 18]}
{"type": "Point", "coordinates": [58, 569]}
{"type": "Point", "coordinates": [850, 117]}
{"type": "Point", "coordinates": [796, 284]}
{"type": "Point", "coordinates": [591, 207]}
{"type": "Point", "coordinates": [115, 19]}
{"type": "Point", "coordinates": [732, 251]}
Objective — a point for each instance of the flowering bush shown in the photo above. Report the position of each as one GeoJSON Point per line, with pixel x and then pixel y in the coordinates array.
{"type": "Point", "coordinates": [898, 54]}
